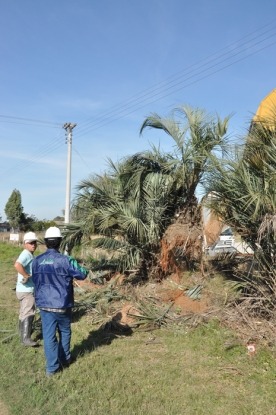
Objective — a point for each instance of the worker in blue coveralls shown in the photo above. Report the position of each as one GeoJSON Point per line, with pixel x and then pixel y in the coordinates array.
{"type": "Point", "coordinates": [53, 274]}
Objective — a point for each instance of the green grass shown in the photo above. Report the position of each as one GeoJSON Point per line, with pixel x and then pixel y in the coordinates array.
{"type": "Point", "coordinates": [179, 372]}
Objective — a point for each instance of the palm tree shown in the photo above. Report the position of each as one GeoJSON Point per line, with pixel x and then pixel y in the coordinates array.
{"type": "Point", "coordinates": [133, 205]}
{"type": "Point", "coordinates": [197, 135]}
{"type": "Point", "coordinates": [128, 221]}
{"type": "Point", "coordinates": [245, 196]}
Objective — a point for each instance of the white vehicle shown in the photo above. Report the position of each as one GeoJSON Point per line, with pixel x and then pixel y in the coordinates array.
{"type": "Point", "coordinates": [224, 244]}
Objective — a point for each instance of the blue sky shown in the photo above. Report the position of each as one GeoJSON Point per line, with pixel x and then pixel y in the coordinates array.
{"type": "Point", "coordinates": [68, 61]}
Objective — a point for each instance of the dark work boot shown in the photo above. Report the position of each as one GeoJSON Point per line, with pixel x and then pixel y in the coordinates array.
{"type": "Point", "coordinates": [26, 329]}
{"type": "Point", "coordinates": [67, 363]}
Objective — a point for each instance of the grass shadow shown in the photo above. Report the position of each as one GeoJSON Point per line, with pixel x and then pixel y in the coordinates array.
{"type": "Point", "coordinates": [101, 337]}
{"type": "Point", "coordinates": [78, 313]}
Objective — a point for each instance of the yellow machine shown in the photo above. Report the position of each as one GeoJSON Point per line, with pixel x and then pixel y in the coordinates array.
{"type": "Point", "coordinates": [267, 108]}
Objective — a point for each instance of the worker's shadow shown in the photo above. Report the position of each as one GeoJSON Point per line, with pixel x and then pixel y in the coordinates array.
{"type": "Point", "coordinates": [110, 331]}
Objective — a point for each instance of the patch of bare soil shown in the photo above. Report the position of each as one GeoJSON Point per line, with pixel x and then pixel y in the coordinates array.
{"type": "Point", "coordinates": [187, 304]}
{"type": "Point", "coordinates": [123, 317]}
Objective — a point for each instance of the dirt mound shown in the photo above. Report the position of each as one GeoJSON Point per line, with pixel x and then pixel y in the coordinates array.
{"type": "Point", "coordinates": [182, 303]}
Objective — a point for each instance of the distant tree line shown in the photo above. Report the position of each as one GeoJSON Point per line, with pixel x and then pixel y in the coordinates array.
{"type": "Point", "coordinates": [18, 219]}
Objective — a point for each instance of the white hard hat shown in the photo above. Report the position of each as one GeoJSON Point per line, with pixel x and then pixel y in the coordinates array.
{"type": "Point", "coordinates": [53, 232]}
{"type": "Point", "coordinates": [30, 237]}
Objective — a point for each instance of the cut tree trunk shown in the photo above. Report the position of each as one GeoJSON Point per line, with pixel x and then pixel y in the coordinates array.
{"type": "Point", "coordinates": [182, 242]}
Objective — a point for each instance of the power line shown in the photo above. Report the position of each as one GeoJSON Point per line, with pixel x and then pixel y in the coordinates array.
{"type": "Point", "coordinates": [103, 123]}
{"type": "Point", "coordinates": [36, 125]}
{"type": "Point", "coordinates": [81, 159]}
{"type": "Point", "coordinates": [43, 151]}
{"type": "Point", "coordinates": [30, 119]}
{"type": "Point", "coordinates": [53, 145]}
{"type": "Point", "coordinates": [153, 89]}
{"type": "Point", "coordinates": [27, 162]}
{"type": "Point", "coordinates": [11, 171]}
{"type": "Point", "coordinates": [191, 66]}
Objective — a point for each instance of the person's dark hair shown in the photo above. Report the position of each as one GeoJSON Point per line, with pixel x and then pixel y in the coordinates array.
{"type": "Point", "coordinates": [52, 243]}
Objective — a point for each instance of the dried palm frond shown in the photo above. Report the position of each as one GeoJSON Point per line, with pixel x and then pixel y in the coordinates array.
{"type": "Point", "coordinates": [149, 314]}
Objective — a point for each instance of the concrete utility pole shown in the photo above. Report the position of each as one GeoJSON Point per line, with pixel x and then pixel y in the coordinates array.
{"type": "Point", "coordinates": [68, 127]}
